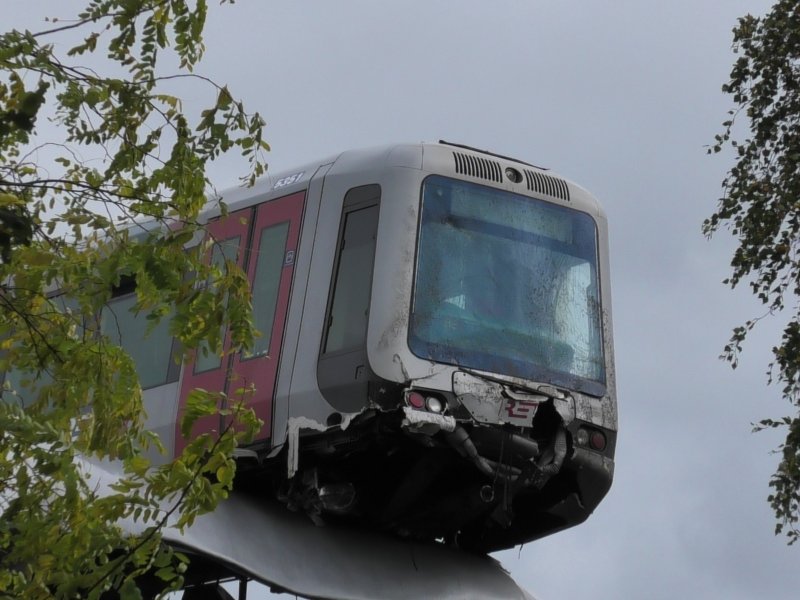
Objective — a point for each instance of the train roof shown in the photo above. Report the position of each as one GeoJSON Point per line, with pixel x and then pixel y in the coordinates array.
{"type": "Point", "coordinates": [441, 157]}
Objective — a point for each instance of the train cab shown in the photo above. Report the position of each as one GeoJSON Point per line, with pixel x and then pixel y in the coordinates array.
{"type": "Point", "coordinates": [438, 360]}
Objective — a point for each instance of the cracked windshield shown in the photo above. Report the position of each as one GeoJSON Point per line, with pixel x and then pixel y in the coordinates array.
{"type": "Point", "coordinates": [507, 284]}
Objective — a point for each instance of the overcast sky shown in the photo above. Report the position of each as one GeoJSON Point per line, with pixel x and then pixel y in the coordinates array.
{"type": "Point", "coordinates": [620, 97]}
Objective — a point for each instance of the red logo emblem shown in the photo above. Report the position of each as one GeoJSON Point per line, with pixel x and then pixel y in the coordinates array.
{"type": "Point", "coordinates": [521, 409]}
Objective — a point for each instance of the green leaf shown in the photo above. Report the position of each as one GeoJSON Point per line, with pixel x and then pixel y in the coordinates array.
{"type": "Point", "coordinates": [129, 591]}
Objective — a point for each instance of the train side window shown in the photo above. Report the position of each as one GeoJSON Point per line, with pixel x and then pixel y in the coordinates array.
{"type": "Point", "coordinates": [266, 284]}
{"type": "Point", "coordinates": [208, 359]}
{"type": "Point", "coordinates": [23, 387]}
{"type": "Point", "coordinates": [150, 349]}
{"type": "Point", "coordinates": [349, 303]}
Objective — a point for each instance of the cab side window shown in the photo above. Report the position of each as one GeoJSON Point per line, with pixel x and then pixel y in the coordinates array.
{"type": "Point", "coordinates": [349, 303]}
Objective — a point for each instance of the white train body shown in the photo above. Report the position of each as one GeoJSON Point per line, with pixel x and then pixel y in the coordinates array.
{"type": "Point", "coordinates": [437, 354]}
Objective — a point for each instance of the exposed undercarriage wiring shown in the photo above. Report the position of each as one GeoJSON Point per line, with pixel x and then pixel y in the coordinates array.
{"type": "Point", "coordinates": [429, 478]}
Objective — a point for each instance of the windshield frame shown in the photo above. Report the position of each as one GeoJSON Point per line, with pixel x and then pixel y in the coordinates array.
{"type": "Point", "coordinates": [442, 351]}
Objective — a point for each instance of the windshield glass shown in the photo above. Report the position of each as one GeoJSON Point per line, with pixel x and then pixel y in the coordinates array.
{"type": "Point", "coordinates": [507, 284]}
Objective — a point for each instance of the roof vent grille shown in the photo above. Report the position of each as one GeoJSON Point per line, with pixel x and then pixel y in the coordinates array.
{"type": "Point", "coordinates": [547, 184]}
{"type": "Point", "coordinates": [476, 166]}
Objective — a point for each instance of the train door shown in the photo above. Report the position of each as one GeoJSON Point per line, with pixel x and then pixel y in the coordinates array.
{"type": "Point", "coordinates": [263, 241]}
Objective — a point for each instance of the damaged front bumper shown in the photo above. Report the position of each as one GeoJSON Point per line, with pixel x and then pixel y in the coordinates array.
{"type": "Point", "coordinates": [542, 468]}
{"type": "Point", "coordinates": [485, 465]}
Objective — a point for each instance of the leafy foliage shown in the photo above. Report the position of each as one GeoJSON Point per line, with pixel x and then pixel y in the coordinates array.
{"type": "Point", "coordinates": [73, 227]}
{"type": "Point", "coordinates": [761, 207]}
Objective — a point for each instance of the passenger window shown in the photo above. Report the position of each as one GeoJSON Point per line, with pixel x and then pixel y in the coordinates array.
{"type": "Point", "coordinates": [23, 387]}
{"type": "Point", "coordinates": [207, 358]}
{"type": "Point", "coordinates": [347, 323]}
{"type": "Point", "coordinates": [266, 283]}
{"type": "Point", "coordinates": [150, 349]}
{"type": "Point", "coordinates": [20, 387]}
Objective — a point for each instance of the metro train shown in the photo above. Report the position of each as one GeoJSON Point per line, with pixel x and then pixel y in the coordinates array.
{"type": "Point", "coordinates": [436, 358]}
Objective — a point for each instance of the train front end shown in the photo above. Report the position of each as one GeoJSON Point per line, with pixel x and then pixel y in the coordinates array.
{"type": "Point", "coordinates": [463, 381]}
{"type": "Point", "coordinates": [497, 337]}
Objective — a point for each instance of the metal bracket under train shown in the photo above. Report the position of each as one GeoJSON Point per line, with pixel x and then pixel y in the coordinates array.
{"type": "Point", "coordinates": [246, 538]}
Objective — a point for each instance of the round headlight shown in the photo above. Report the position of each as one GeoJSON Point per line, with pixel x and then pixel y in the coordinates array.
{"type": "Point", "coordinates": [434, 405]}
{"type": "Point", "coordinates": [597, 441]}
{"type": "Point", "coordinates": [415, 400]}
{"type": "Point", "coordinates": [582, 437]}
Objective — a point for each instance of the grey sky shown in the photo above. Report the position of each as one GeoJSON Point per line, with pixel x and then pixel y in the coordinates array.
{"type": "Point", "coordinates": [621, 97]}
